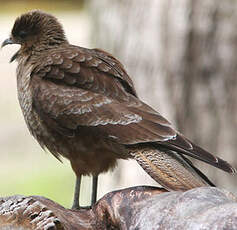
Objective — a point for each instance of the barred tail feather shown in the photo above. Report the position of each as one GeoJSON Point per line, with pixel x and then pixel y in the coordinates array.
{"type": "Point", "coordinates": [169, 169]}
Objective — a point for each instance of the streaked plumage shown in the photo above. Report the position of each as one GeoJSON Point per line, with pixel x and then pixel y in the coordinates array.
{"type": "Point", "coordinates": [81, 104]}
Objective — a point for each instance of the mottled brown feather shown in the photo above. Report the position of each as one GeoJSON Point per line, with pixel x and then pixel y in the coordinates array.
{"type": "Point", "coordinates": [103, 87]}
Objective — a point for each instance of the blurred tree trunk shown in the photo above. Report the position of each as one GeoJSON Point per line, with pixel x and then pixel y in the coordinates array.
{"type": "Point", "coordinates": [182, 57]}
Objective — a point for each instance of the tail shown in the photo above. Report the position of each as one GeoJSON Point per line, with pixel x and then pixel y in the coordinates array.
{"type": "Point", "coordinates": [184, 146]}
{"type": "Point", "coordinates": [170, 169]}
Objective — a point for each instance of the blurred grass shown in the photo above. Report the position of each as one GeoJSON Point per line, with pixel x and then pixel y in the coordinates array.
{"type": "Point", "coordinates": [43, 175]}
{"type": "Point", "coordinates": [53, 182]}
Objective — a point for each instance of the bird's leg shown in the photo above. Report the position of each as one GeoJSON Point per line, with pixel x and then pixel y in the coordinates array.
{"type": "Point", "coordinates": [94, 190]}
{"type": "Point", "coordinates": [77, 193]}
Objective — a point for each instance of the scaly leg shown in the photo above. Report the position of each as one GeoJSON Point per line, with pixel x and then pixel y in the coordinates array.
{"type": "Point", "coordinates": [94, 190]}
{"type": "Point", "coordinates": [77, 193]}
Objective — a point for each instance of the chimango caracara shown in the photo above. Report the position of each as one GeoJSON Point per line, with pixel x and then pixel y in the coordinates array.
{"type": "Point", "coordinates": [81, 104]}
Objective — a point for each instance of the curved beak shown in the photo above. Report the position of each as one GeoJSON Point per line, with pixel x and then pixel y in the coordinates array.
{"type": "Point", "coordinates": [8, 41]}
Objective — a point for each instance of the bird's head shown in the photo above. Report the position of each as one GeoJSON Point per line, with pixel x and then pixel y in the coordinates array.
{"type": "Point", "coordinates": [36, 30]}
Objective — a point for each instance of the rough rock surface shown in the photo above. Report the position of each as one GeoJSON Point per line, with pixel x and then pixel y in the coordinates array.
{"type": "Point", "coordinates": [140, 207]}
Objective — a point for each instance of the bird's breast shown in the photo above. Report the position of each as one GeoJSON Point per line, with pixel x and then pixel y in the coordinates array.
{"type": "Point", "coordinates": [25, 96]}
{"type": "Point", "coordinates": [23, 87]}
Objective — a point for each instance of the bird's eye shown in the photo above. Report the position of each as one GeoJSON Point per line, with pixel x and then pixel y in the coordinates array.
{"type": "Point", "coordinates": [22, 34]}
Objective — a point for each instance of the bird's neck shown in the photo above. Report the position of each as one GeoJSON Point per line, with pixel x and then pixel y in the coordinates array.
{"type": "Point", "coordinates": [36, 49]}
{"type": "Point", "coordinates": [48, 42]}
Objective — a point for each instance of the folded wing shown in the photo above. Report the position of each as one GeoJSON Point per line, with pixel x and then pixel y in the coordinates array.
{"type": "Point", "coordinates": [77, 87]}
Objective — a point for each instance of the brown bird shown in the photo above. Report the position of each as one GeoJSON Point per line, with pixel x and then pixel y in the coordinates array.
{"type": "Point", "coordinates": [81, 104]}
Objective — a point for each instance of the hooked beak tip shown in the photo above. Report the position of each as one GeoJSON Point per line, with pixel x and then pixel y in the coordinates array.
{"type": "Point", "coordinates": [8, 41]}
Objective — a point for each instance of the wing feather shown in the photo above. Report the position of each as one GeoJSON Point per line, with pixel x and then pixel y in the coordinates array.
{"type": "Point", "coordinates": [77, 87]}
